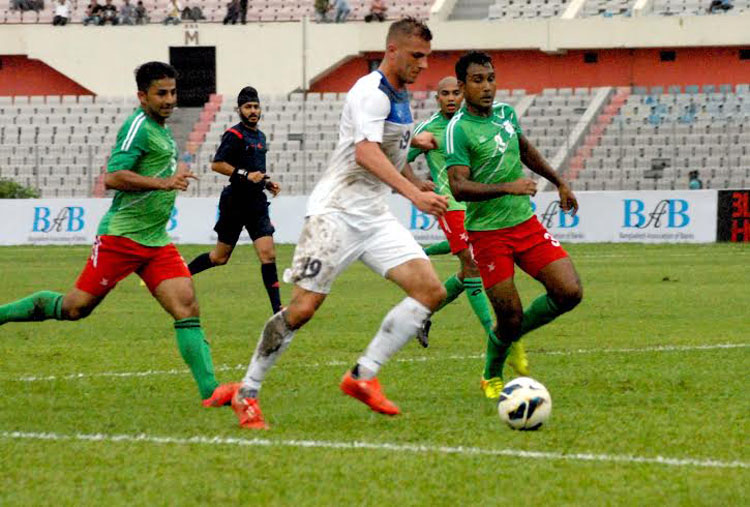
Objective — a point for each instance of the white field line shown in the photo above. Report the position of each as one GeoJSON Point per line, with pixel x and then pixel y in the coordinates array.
{"type": "Point", "coordinates": [377, 446]}
{"type": "Point", "coordinates": [181, 371]}
{"type": "Point", "coordinates": [633, 255]}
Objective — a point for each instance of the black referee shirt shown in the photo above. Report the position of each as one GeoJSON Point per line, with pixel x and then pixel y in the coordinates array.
{"type": "Point", "coordinates": [243, 148]}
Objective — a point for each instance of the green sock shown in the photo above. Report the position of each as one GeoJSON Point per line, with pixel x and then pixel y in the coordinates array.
{"type": "Point", "coordinates": [494, 358]}
{"type": "Point", "coordinates": [196, 352]}
{"type": "Point", "coordinates": [37, 307]}
{"type": "Point", "coordinates": [541, 311]}
{"type": "Point", "coordinates": [454, 286]}
{"type": "Point", "coordinates": [479, 303]}
{"type": "Point", "coordinates": [441, 248]}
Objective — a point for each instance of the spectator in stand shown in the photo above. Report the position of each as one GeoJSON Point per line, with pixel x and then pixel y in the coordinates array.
{"type": "Point", "coordinates": [93, 14]}
{"type": "Point", "coordinates": [173, 16]}
{"type": "Point", "coordinates": [243, 11]}
{"type": "Point", "coordinates": [141, 16]}
{"type": "Point", "coordinates": [62, 13]}
{"type": "Point", "coordinates": [27, 5]}
{"type": "Point", "coordinates": [233, 12]}
{"type": "Point", "coordinates": [193, 14]}
{"type": "Point", "coordinates": [695, 182]}
{"type": "Point", "coordinates": [342, 10]}
{"type": "Point", "coordinates": [321, 10]}
{"type": "Point", "coordinates": [377, 11]}
{"type": "Point", "coordinates": [127, 14]}
{"type": "Point", "coordinates": [109, 14]}
{"type": "Point", "coordinates": [720, 6]}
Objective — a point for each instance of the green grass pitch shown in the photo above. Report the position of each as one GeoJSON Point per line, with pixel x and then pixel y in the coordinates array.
{"type": "Point", "coordinates": [653, 363]}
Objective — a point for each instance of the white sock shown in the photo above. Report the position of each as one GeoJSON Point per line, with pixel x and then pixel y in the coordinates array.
{"type": "Point", "coordinates": [399, 326]}
{"type": "Point", "coordinates": [274, 340]}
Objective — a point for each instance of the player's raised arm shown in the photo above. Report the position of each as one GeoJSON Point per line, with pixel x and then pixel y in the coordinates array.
{"type": "Point", "coordinates": [534, 160]}
{"type": "Point", "coordinates": [464, 189]}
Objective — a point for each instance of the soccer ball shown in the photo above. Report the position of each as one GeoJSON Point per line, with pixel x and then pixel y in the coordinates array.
{"type": "Point", "coordinates": [524, 404]}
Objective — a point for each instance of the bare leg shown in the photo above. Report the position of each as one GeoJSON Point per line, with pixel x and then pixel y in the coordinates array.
{"type": "Point", "coordinates": [221, 253]}
{"type": "Point", "coordinates": [78, 304]}
{"type": "Point", "coordinates": [265, 249]}
{"type": "Point", "coordinates": [177, 297]}
{"type": "Point", "coordinates": [562, 282]}
{"type": "Point", "coordinates": [564, 292]}
{"type": "Point", "coordinates": [469, 268]}
{"type": "Point", "coordinates": [509, 312]}
{"type": "Point", "coordinates": [418, 279]}
{"type": "Point", "coordinates": [508, 309]}
{"type": "Point", "coordinates": [217, 257]}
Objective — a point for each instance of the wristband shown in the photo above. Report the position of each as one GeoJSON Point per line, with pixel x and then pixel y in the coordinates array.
{"type": "Point", "coordinates": [239, 175]}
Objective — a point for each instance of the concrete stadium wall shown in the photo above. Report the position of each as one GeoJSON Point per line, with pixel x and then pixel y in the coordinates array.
{"type": "Point", "coordinates": [534, 70]}
{"type": "Point", "coordinates": [270, 55]}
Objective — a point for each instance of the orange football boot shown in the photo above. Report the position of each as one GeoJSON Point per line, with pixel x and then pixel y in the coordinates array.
{"type": "Point", "coordinates": [222, 395]}
{"type": "Point", "coordinates": [369, 393]}
{"type": "Point", "coordinates": [248, 412]}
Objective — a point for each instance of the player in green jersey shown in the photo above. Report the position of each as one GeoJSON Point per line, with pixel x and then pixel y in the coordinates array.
{"type": "Point", "coordinates": [485, 153]}
{"type": "Point", "coordinates": [449, 98]}
{"type": "Point", "coordinates": [132, 235]}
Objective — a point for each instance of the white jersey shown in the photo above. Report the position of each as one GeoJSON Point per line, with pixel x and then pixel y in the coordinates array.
{"type": "Point", "coordinates": [373, 111]}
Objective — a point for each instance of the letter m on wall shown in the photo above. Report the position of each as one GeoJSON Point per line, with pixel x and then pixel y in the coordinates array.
{"type": "Point", "coordinates": [191, 37]}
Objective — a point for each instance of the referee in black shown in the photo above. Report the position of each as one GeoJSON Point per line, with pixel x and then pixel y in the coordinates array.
{"type": "Point", "coordinates": [243, 203]}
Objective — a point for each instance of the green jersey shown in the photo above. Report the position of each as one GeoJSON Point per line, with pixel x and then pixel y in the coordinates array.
{"type": "Point", "coordinates": [436, 124]}
{"type": "Point", "coordinates": [147, 148]}
{"type": "Point", "coordinates": [489, 147]}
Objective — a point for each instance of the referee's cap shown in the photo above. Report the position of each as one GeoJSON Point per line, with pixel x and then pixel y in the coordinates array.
{"type": "Point", "coordinates": [247, 94]}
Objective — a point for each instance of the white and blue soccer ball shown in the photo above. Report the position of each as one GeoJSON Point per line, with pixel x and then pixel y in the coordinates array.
{"type": "Point", "coordinates": [524, 404]}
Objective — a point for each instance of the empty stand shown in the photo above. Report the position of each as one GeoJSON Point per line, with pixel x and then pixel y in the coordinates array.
{"type": "Point", "coordinates": [656, 138]}
{"type": "Point", "coordinates": [642, 140]}
{"type": "Point", "coordinates": [59, 144]}
{"type": "Point", "coordinates": [607, 8]}
{"type": "Point", "coordinates": [517, 9]}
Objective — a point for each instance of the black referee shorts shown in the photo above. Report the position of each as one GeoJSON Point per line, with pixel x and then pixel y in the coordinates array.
{"type": "Point", "coordinates": [237, 211]}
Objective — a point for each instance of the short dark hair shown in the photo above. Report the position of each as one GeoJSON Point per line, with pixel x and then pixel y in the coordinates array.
{"type": "Point", "coordinates": [462, 65]}
{"type": "Point", "coordinates": [151, 71]}
{"type": "Point", "coordinates": [409, 26]}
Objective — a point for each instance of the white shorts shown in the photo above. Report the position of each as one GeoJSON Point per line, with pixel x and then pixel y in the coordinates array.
{"type": "Point", "coordinates": [329, 243]}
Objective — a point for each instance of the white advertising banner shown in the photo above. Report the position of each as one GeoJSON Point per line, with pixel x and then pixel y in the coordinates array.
{"type": "Point", "coordinates": [639, 217]}
{"type": "Point", "coordinates": [642, 217]}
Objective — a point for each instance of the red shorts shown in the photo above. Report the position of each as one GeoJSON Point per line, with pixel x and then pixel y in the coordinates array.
{"type": "Point", "coordinates": [452, 223]}
{"type": "Point", "coordinates": [527, 244]}
{"type": "Point", "coordinates": [115, 257]}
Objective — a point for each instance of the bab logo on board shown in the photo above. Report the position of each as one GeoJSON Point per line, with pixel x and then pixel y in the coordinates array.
{"type": "Point", "coordinates": [668, 213]}
{"type": "Point", "coordinates": [67, 219]}
{"type": "Point", "coordinates": [554, 216]}
{"type": "Point", "coordinates": [172, 222]}
{"type": "Point", "coordinates": [420, 220]}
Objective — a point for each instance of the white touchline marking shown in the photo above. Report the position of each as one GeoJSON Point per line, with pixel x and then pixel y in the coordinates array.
{"type": "Point", "coordinates": [419, 359]}
{"type": "Point", "coordinates": [639, 256]}
{"type": "Point", "coordinates": [376, 446]}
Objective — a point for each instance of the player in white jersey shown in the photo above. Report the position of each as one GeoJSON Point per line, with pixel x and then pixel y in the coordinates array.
{"type": "Point", "coordinates": [348, 219]}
